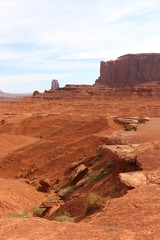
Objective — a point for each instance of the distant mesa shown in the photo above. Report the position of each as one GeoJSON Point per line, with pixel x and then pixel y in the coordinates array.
{"type": "Point", "coordinates": [130, 69]}
{"type": "Point", "coordinates": [137, 74]}
{"type": "Point", "coordinates": [54, 85]}
{"type": "Point", "coordinates": [4, 95]}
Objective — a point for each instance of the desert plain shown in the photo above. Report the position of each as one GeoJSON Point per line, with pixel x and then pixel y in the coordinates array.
{"type": "Point", "coordinates": [89, 157]}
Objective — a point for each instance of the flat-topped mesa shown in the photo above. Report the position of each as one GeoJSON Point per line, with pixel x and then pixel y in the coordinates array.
{"type": "Point", "coordinates": [130, 69]}
{"type": "Point", "coordinates": [54, 85]}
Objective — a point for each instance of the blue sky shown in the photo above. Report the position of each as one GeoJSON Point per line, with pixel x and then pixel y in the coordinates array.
{"type": "Point", "coordinates": [41, 40]}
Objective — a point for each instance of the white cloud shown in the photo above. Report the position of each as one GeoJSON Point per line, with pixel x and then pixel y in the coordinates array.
{"type": "Point", "coordinates": [52, 35]}
{"type": "Point", "coordinates": [10, 82]}
{"type": "Point", "coordinates": [29, 78]}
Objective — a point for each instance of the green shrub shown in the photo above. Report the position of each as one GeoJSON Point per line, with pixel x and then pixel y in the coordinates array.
{"type": "Point", "coordinates": [64, 218]}
{"type": "Point", "coordinates": [130, 128]}
{"type": "Point", "coordinates": [23, 214]}
{"type": "Point", "coordinates": [94, 201]}
{"type": "Point", "coordinates": [111, 164]}
{"type": "Point", "coordinates": [95, 176]}
{"type": "Point", "coordinates": [91, 177]}
{"type": "Point", "coordinates": [66, 190]}
{"type": "Point", "coordinates": [99, 155]}
{"type": "Point", "coordinates": [52, 197]}
{"type": "Point", "coordinates": [37, 212]}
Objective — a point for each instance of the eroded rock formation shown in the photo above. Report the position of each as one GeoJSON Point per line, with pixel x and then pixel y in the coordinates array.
{"type": "Point", "coordinates": [130, 69]}
{"type": "Point", "coordinates": [55, 84]}
{"type": "Point", "coordinates": [146, 90]}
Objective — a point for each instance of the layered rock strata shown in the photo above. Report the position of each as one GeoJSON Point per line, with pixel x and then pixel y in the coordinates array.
{"type": "Point", "coordinates": [130, 69]}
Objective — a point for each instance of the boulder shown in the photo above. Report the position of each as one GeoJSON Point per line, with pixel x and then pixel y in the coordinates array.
{"type": "Point", "coordinates": [78, 173]}
{"type": "Point", "coordinates": [133, 179]}
{"type": "Point", "coordinates": [126, 121]}
{"type": "Point", "coordinates": [81, 182]}
{"type": "Point", "coordinates": [49, 208]}
{"type": "Point", "coordinates": [44, 186]}
{"type": "Point", "coordinates": [121, 152]}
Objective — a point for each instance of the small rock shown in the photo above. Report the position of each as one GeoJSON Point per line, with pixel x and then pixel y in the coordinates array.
{"type": "Point", "coordinates": [80, 183]}
{"type": "Point", "coordinates": [153, 177]}
{"type": "Point", "coordinates": [144, 119]}
{"type": "Point", "coordinates": [44, 186]}
{"type": "Point", "coordinates": [2, 122]}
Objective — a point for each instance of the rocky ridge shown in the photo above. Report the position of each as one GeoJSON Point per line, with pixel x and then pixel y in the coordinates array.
{"type": "Point", "coordinates": [149, 89]}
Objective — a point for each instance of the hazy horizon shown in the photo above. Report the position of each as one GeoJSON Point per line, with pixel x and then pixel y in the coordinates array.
{"type": "Point", "coordinates": [66, 39]}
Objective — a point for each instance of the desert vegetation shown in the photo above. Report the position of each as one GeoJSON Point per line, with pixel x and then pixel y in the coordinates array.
{"type": "Point", "coordinates": [94, 201]}
{"type": "Point", "coordinates": [24, 214]}
{"type": "Point", "coordinates": [64, 218]}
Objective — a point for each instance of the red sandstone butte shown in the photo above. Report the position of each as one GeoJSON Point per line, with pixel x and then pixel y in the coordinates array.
{"type": "Point", "coordinates": [54, 85]}
{"type": "Point", "coordinates": [130, 69]}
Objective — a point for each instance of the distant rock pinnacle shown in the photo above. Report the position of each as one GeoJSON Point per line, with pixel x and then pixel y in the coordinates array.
{"type": "Point", "coordinates": [55, 84]}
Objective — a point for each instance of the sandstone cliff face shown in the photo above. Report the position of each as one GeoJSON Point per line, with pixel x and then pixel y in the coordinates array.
{"type": "Point", "coordinates": [130, 69]}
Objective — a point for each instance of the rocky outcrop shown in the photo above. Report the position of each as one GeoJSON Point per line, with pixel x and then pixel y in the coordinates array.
{"type": "Point", "coordinates": [126, 121]}
{"type": "Point", "coordinates": [130, 69]}
{"type": "Point", "coordinates": [146, 90]}
{"type": "Point", "coordinates": [133, 179]}
{"type": "Point", "coordinates": [78, 174]}
{"type": "Point", "coordinates": [121, 152]}
{"type": "Point", "coordinates": [55, 84]}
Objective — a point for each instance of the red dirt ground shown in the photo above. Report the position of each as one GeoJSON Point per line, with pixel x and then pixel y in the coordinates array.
{"type": "Point", "coordinates": [41, 139]}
